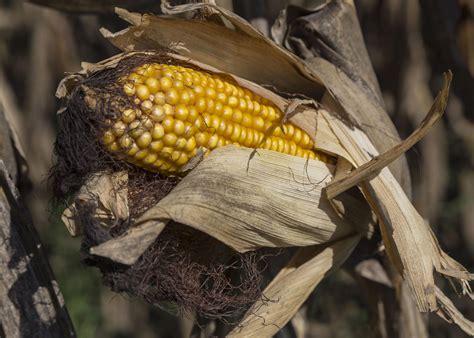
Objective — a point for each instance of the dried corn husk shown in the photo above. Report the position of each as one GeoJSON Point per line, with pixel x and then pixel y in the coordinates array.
{"type": "Point", "coordinates": [281, 179]}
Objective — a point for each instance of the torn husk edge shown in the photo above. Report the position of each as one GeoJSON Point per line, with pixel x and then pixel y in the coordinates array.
{"type": "Point", "coordinates": [409, 241]}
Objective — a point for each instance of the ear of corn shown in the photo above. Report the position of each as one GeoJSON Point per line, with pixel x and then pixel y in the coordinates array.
{"type": "Point", "coordinates": [178, 110]}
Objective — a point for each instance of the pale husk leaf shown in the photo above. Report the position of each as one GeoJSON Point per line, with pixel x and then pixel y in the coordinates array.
{"type": "Point", "coordinates": [250, 199]}
{"type": "Point", "coordinates": [292, 286]}
{"type": "Point", "coordinates": [108, 193]}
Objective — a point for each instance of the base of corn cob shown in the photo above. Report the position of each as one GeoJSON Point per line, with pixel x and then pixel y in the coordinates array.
{"type": "Point", "coordinates": [177, 110]}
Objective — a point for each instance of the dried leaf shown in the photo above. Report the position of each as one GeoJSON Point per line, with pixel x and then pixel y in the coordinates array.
{"type": "Point", "coordinates": [370, 169]}
{"type": "Point", "coordinates": [109, 195]}
{"type": "Point", "coordinates": [292, 286]}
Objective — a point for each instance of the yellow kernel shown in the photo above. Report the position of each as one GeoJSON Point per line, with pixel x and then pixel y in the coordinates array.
{"type": "Point", "coordinates": [272, 114]}
{"type": "Point", "coordinates": [207, 119]}
{"type": "Point", "coordinates": [233, 101]}
{"type": "Point", "coordinates": [159, 161]}
{"type": "Point", "coordinates": [286, 148]}
{"type": "Point", "coordinates": [200, 124]}
{"type": "Point", "coordinates": [183, 159]}
{"type": "Point", "coordinates": [201, 104]}
{"type": "Point", "coordinates": [141, 154]}
{"type": "Point", "coordinates": [179, 127]}
{"type": "Point", "coordinates": [277, 131]}
{"type": "Point", "coordinates": [150, 158]}
{"type": "Point", "coordinates": [144, 140]}
{"type": "Point", "coordinates": [211, 93]}
{"type": "Point", "coordinates": [129, 89]}
{"type": "Point", "coordinates": [184, 97]}
{"type": "Point", "coordinates": [156, 145]}
{"type": "Point", "coordinates": [125, 141]}
{"type": "Point", "coordinates": [157, 113]}
{"type": "Point", "coordinates": [215, 122]}
{"type": "Point", "coordinates": [192, 114]}
{"type": "Point", "coordinates": [132, 150]}
{"type": "Point", "coordinates": [258, 123]}
{"type": "Point", "coordinates": [199, 91]}
{"type": "Point", "coordinates": [312, 155]}
{"type": "Point", "coordinates": [264, 112]}
{"type": "Point", "coordinates": [172, 97]}
{"type": "Point", "coordinates": [274, 145]}
{"type": "Point", "coordinates": [218, 108]}
{"type": "Point", "coordinates": [210, 105]}
{"type": "Point", "coordinates": [247, 120]}
{"type": "Point", "coordinates": [158, 131]}
{"type": "Point", "coordinates": [180, 143]}
{"type": "Point", "coordinates": [249, 140]}
{"type": "Point", "coordinates": [168, 124]}
{"type": "Point", "coordinates": [166, 152]}
{"type": "Point", "coordinates": [181, 112]}
{"type": "Point", "coordinates": [153, 85]}
{"type": "Point", "coordinates": [190, 130]}
{"type": "Point", "coordinates": [249, 105]}
{"type": "Point", "coordinates": [236, 132]}
{"type": "Point", "coordinates": [175, 155]}
{"type": "Point", "coordinates": [220, 142]}
{"type": "Point", "coordinates": [166, 83]}
{"type": "Point", "coordinates": [119, 128]}
{"type": "Point", "coordinates": [305, 140]}
{"type": "Point", "coordinates": [227, 113]}
{"type": "Point", "coordinates": [256, 107]}
{"type": "Point", "coordinates": [219, 84]}
{"type": "Point", "coordinates": [227, 89]}
{"type": "Point", "coordinates": [297, 136]}
{"type": "Point", "coordinates": [192, 97]}
{"type": "Point", "coordinates": [108, 137]}
{"type": "Point", "coordinates": [190, 144]}
{"type": "Point", "coordinates": [113, 147]}
{"type": "Point", "coordinates": [136, 78]}
{"type": "Point", "coordinates": [229, 129]}
{"type": "Point", "coordinates": [288, 130]}
{"type": "Point", "coordinates": [170, 139]}
{"type": "Point", "coordinates": [243, 135]}
{"type": "Point", "coordinates": [202, 139]}
{"type": "Point", "coordinates": [178, 85]}
{"type": "Point", "coordinates": [150, 71]}
{"type": "Point", "coordinates": [299, 152]}
{"type": "Point", "coordinates": [135, 129]}
{"type": "Point", "coordinates": [222, 127]}
{"type": "Point", "coordinates": [146, 106]}
{"type": "Point", "coordinates": [221, 97]}
{"type": "Point", "coordinates": [293, 148]}
{"type": "Point", "coordinates": [159, 98]}
{"type": "Point", "coordinates": [267, 143]}
{"type": "Point", "coordinates": [147, 123]}
{"type": "Point", "coordinates": [128, 116]}
{"type": "Point", "coordinates": [169, 110]}
{"type": "Point", "coordinates": [237, 116]}
{"type": "Point", "coordinates": [242, 104]}
{"type": "Point", "coordinates": [142, 92]}
{"type": "Point", "coordinates": [213, 141]}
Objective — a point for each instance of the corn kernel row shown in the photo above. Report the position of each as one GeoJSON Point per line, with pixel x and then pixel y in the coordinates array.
{"type": "Point", "coordinates": [179, 109]}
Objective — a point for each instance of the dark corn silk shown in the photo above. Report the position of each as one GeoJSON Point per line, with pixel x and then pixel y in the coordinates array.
{"type": "Point", "coordinates": [180, 109]}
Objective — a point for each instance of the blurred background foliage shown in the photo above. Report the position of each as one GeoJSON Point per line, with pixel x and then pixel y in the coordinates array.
{"type": "Point", "coordinates": [410, 43]}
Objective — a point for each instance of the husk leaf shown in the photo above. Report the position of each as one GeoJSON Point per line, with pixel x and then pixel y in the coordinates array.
{"type": "Point", "coordinates": [292, 286]}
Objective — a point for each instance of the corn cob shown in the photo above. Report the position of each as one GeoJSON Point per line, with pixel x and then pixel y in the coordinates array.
{"type": "Point", "coordinates": [179, 109]}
